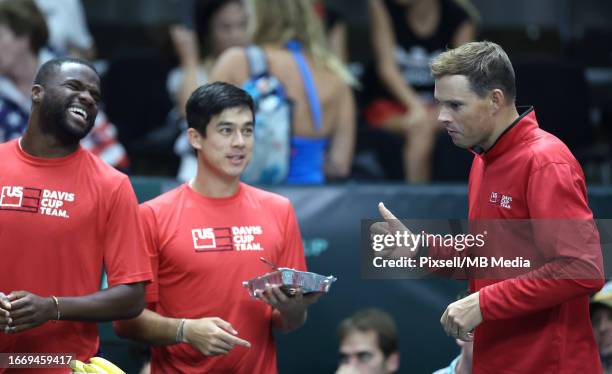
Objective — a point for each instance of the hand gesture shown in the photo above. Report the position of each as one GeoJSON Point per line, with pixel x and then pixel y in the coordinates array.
{"type": "Point", "coordinates": [28, 310]}
{"type": "Point", "coordinates": [212, 336]}
{"type": "Point", "coordinates": [391, 226]}
{"type": "Point", "coordinates": [461, 318]}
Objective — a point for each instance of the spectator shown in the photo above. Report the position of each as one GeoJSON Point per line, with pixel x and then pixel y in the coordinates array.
{"type": "Point", "coordinates": [68, 31]}
{"type": "Point", "coordinates": [316, 152]}
{"type": "Point", "coordinates": [23, 36]}
{"type": "Point", "coordinates": [368, 343]}
{"type": "Point", "coordinates": [406, 35]}
{"type": "Point", "coordinates": [219, 24]}
{"type": "Point", "coordinates": [601, 318]}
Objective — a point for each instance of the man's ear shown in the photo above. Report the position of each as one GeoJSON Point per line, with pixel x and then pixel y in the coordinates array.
{"type": "Point", "coordinates": [498, 100]}
{"type": "Point", "coordinates": [195, 138]}
{"type": "Point", "coordinates": [392, 362]}
{"type": "Point", "coordinates": [38, 92]}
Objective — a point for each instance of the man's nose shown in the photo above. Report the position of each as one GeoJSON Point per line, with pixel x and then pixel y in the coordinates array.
{"type": "Point", "coordinates": [443, 115]}
{"type": "Point", "coordinates": [86, 98]}
{"type": "Point", "coordinates": [238, 139]}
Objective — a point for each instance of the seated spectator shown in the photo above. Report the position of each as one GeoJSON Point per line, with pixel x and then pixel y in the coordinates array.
{"type": "Point", "coordinates": [23, 36]}
{"type": "Point", "coordinates": [368, 343]}
{"type": "Point", "coordinates": [601, 318]}
{"type": "Point", "coordinates": [219, 24]}
{"type": "Point", "coordinates": [322, 121]}
{"type": "Point", "coordinates": [462, 364]}
{"type": "Point", "coordinates": [406, 35]}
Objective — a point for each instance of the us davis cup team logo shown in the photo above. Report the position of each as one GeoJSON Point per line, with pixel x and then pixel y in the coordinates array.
{"type": "Point", "coordinates": [237, 238]}
{"type": "Point", "coordinates": [22, 199]}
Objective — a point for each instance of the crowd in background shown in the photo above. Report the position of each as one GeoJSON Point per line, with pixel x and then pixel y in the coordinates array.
{"type": "Point", "coordinates": [378, 116]}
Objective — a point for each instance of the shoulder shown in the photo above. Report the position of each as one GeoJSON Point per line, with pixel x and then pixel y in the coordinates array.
{"type": "Point", "coordinates": [546, 150]}
{"type": "Point", "coordinates": [103, 173]}
{"type": "Point", "coordinates": [231, 66]}
{"type": "Point", "coordinates": [233, 56]}
{"type": "Point", "coordinates": [264, 198]}
{"type": "Point", "coordinates": [164, 202]}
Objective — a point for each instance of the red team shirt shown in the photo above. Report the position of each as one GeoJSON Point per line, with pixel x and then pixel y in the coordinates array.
{"type": "Point", "coordinates": [202, 250]}
{"type": "Point", "coordinates": [60, 220]}
{"type": "Point", "coordinates": [534, 325]}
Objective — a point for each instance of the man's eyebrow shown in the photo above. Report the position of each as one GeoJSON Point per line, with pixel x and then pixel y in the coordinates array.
{"type": "Point", "coordinates": [82, 84]}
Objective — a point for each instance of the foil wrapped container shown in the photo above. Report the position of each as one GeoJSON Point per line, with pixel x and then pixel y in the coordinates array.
{"type": "Point", "coordinates": [290, 280]}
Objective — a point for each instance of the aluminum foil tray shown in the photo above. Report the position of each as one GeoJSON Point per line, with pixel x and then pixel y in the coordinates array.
{"type": "Point", "coordinates": [290, 280]}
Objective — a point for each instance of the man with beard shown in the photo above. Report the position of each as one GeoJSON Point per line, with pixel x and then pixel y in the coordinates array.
{"type": "Point", "coordinates": [64, 214]}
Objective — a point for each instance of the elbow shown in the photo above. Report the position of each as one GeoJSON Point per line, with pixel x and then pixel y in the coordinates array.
{"type": "Point", "coordinates": [136, 309]}
{"type": "Point", "coordinates": [134, 302]}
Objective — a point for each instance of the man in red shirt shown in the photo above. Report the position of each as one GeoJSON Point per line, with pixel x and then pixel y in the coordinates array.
{"type": "Point", "coordinates": [534, 324]}
{"type": "Point", "coordinates": [205, 238]}
{"type": "Point", "coordinates": [64, 215]}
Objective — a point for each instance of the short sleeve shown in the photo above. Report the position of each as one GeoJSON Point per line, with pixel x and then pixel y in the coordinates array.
{"type": "Point", "coordinates": [149, 229]}
{"type": "Point", "coordinates": [293, 250]}
{"type": "Point", "coordinates": [125, 258]}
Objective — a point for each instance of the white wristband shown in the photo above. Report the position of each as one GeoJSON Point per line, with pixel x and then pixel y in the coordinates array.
{"type": "Point", "coordinates": [180, 332]}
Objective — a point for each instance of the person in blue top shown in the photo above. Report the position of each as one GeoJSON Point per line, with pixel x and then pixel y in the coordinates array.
{"type": "Point", "coordinates": [323, 119]}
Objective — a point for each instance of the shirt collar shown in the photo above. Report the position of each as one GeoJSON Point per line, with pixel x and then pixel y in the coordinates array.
{"type": "Point", "coordinates": [511, 136]}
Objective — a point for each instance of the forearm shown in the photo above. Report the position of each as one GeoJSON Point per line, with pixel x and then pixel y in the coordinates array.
{"type": "Point", "coordinates": [289, 321]}
{"type": "Point", "coordinates": [187, 86]}
{"type": "Point", "coordinates": [118, 302]}
{"type": "Point", "coordinates": [149, 327]}
{"type": "Point", "coordinates": [397, 86]}
{"type": "Point", "coordinates": [536, 291]}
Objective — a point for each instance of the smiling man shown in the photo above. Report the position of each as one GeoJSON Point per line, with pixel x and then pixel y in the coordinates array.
{"type": "Point", "coordinates": [65, 214]}
{"type": "Point", "coordinates": [205, 238]}
{"type": "Point", "coordinates": [540, 322]}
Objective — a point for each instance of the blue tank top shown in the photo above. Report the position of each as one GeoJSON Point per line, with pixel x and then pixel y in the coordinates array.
{"type": "Point", "coordinates": [307, 158]}
{"type": "Point", "coordinates": [307, 154]}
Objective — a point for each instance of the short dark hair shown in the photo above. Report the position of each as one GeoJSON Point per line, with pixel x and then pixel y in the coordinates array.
{"type": "Point", "coordinates": [24, 18]}
{"type": "Point", "coordinates": [212, 99]}
{"type": "Point", "coordinates": [376, 320]}
{"type": "Point", "coordinates": [485, 64]}
{"type": "Point", "coordinates": [50, 67]}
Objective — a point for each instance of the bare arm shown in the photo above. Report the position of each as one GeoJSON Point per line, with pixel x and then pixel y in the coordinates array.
{"type": "Point", "coordinates": [340, 155]}
{"type": "Point", "coordinates": [231, 67]}
{"type": "Point", "coordinates": [186, 45]}
{"type": "Point", "coordinates": [338, 41]}
{"type": "Point", "coordinates": [383, 42]}
{"type": "Point", "coordinates": [211, 336]}
{"type": "Point", "coordinates": [28, 310]}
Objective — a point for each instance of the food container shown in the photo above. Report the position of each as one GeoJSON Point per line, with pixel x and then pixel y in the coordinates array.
{"type": "Point", "coordinates": [290, 280]}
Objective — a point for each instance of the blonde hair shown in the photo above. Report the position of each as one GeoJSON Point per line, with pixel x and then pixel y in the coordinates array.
{"type": "Point", "coordinates": [485, 64]}
{"type": "Point", "coordinates": [279, 21]}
